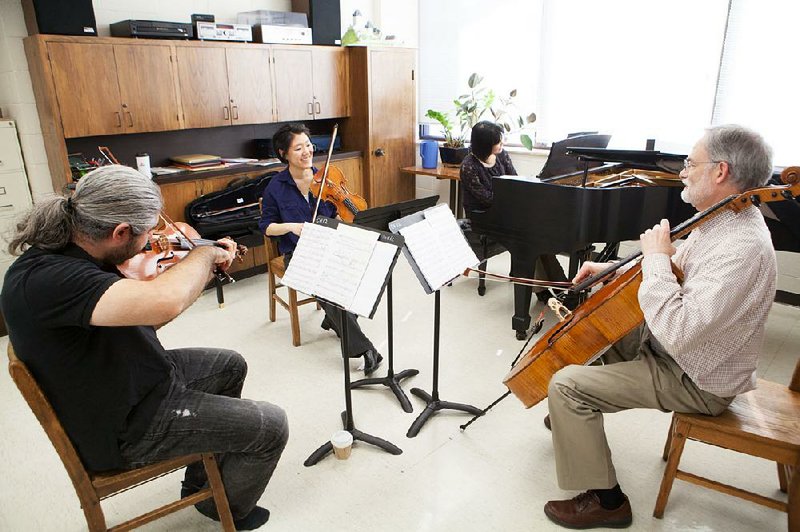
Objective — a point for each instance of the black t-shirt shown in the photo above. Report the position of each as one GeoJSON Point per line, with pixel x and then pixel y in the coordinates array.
{"type": "Point", "coordinates": [105, 383]}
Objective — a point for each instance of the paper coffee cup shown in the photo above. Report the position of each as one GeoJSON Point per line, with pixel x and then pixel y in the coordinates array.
{"type": "Point", "coordinates": [342, 442]}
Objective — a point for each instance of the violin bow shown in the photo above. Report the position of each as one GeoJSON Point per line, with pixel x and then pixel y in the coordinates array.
{"type": "Point", "coordinates": [220, 273]}
{"type": "Point", "coordinates": [325, 172]}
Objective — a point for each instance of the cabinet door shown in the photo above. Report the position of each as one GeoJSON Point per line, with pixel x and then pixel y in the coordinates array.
{"type": "Point", "coordinates": [147, 89]}
{"type": "Point", "coordinates": [330, 70]}
{"type": "Point", "coordinates": [293, 84]}
{"type": "Point", "coordinates": [203, 79]}
{"type": "Point", "coordinates": [393, 114]}
{"type": "Point", "coordinates": [85, 79]}
{"type": "Point", "coordinates": [177, 196]}
{"type": "Point", "coordinates": [249, 85]}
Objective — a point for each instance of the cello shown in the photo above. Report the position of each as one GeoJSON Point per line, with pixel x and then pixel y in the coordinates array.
{"type": "Point", "coordinates": [613, 311]}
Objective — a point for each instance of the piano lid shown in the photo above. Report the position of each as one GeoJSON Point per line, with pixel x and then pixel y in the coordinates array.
{"type": "Point", "coordinates": [644, 159]}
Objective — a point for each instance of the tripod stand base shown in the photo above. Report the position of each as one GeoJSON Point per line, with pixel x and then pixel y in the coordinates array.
{"type": "Point", "coordinates": [393, 382]}
{"type": "Point", "coordinates": [433, 407]}
{"type": "Point", "coordinates": [327, 448]}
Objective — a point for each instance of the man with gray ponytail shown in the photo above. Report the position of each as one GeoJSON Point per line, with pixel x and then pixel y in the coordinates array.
{"type": "Point", "coordinates": [88, 336]}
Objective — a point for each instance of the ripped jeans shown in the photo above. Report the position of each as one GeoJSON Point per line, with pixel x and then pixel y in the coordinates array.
{"type": "Point", "coordinates": [203, 412]}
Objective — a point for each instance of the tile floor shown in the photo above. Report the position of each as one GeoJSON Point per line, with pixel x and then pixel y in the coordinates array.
{"type": "Point", "coordinates": [496, 475]}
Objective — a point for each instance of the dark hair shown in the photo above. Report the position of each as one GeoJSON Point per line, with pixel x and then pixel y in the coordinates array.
{"type": "Point", "coordinates": [282, 138]}
{"type": "Point", "coordinates": [103, 199]}
{"type": "Point", "coordinates": [484, 136]}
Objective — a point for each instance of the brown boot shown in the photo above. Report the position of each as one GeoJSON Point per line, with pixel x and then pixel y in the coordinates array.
{"type": "Point", "coordinates": [585, 511]}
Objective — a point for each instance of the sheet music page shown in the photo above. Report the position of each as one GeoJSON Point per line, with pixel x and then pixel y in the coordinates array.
{"type": "Point", "coordinates": [438, 246]}
{"type": "Point", "coordinates": [374, 278]}
{"type": "Point", "coordinates": [309, 258]}
{"type": "Point", "coordinates": [345, 264]}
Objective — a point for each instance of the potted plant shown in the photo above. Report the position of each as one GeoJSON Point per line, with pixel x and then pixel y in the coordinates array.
{"type": "Point", "coordinates": [453, 151]}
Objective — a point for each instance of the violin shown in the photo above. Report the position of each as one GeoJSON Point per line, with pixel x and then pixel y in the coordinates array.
{"type": "Point", "coordinates": [347, 203]}
{"type": "Point", "coordinates": [166, 248]}
{"type": "Point", "coordinates": [330, 184]}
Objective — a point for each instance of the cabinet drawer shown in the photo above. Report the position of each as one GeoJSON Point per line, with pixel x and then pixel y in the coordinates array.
{"type": "Point", "coordinates": [14, 194]}
{"type": "Point", "coordinates": [10, 157]}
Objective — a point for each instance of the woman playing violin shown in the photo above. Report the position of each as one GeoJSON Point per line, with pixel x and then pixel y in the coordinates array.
{"type": "Point", "coordinates": [88, 335]}
{"type": "Point", "coordinates": [287, 204]}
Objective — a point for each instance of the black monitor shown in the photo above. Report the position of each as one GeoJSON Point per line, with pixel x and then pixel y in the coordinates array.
{"type": "Point", "coordinates": [379, 217]}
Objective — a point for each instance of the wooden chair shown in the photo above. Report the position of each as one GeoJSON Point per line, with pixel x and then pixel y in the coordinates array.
{"type": "Point", "coordinates": [763, 422]}
{"type": "Point", "coordinates": [92, 488]}
{"type": "Point", "coordinates": [276, 269]}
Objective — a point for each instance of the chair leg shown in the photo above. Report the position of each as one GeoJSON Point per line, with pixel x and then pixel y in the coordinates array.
{"type": "Point", "coordinates": [679, 436]}
{"type": "Point", "coordinates": [783, 479]}
{"type": "Point", "coordinates": [272, 288]}
{"type": "Point", "coordinates": [95, 520]}
{"type": "Point", "coordinates": [665, 454]}
{"type": "Point", "coordinates": [220, 499]}
{"type": "Point", "coordinates": [293, 316]}
{"type": "Point", "coordinates": [793, 503]}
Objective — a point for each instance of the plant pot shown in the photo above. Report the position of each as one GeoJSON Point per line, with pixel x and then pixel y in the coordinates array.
{"type": "Point", "coordinates": [452, 156]}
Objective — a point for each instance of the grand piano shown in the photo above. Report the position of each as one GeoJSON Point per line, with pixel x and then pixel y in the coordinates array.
{"type": "Point", "coordinates": [627, 193]}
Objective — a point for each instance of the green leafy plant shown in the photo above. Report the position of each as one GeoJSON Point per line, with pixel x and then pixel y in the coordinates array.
{"type": "Point", "coordinates": [452, 139]}
{"type": "Point", "coordinates": [476, 105]}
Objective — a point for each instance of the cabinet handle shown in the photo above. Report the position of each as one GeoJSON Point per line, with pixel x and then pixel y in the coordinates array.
{"type": "Point", "coordinates": [119, 119]}
{"type": "Point", "coordinates": [130, 118]}
{"type": "Point", "coordinates": [318, 108]}
{"type": "Point", "coordinates": [235, 110]}
{"type": "Point", "coordinates": [226, 113]}
{"type": "Point", "coordinates": [310, 108]}
{"type": "Point", "coordinates": [379, 152]}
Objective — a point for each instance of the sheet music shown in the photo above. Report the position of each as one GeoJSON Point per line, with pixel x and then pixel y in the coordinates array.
{"type": "Point", "coordinates": [346, 265]}
{"type": "Point", "coordinates": [438, 246]}
{"type": "Point", "coordinates": [348, 254]}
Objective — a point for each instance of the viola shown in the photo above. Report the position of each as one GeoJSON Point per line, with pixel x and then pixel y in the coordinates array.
{"type": "Point", "coordinates": [335, 190]}
{"type": "Point", "coordinates": [166, 248]}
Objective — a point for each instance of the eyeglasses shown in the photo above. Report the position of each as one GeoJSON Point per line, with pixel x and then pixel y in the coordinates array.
{"type": "Point", "coordinates": [688, 163]}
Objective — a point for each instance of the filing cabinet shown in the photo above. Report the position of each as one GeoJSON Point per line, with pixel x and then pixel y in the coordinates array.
{"type": "Point", "coordinates": [15, 196]}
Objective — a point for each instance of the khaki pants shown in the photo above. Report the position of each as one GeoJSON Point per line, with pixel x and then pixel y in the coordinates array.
{"type": "Point", "coordinates": [637, 373]}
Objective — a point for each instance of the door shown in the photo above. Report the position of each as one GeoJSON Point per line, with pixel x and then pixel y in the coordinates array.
{"type": "Point", "coordinates": [203, 79]}
{"type": "Point", "coordinates": [330, 71]}
{"type": "Point", "coordinates": [85, 79]}
{"type": "Point", "coordinates": [392, 119]}
{"type": "Point", "coordinates": [293, 84]}
{"type": "Point", "coordinates": [147, 88]}
{"type": "Point", "coordinates": [249, 85]}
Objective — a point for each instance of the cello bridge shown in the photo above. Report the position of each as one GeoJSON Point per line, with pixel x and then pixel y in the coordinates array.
{"type": "Point", "coordinates": [561, 311]}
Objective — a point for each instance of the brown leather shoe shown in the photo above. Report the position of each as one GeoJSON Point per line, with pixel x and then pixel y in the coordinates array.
{"type": "Point", "coordinates": [585, 511]}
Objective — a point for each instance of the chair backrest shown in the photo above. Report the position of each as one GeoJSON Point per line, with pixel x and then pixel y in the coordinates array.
{"type": "Point", "coordinates": [38, 403]}
{"type": "Point", "coordinates": [271, 244]}
{"type": "Point", "coordinates": [559, 163]}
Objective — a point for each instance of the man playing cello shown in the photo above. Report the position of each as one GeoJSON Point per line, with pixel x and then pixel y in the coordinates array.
{"type": "Point", "coordinates": [700, 340]}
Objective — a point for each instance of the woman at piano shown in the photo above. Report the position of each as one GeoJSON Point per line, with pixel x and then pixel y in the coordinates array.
{"type": "Point", "coordinates": [488, 159]}
{"type": "Point", "coordinates": [286, 204]}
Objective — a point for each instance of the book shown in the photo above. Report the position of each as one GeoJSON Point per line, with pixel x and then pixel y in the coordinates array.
{"type": "Point", "coordinates": [343, 264]}
{"type": "Point", "coordinates": [196, 159]}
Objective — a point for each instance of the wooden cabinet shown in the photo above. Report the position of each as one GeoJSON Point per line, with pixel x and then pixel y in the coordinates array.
{"type": "Point", "coordinates": [105, 89]}
{"type": "Point", "coordinates": [382, 120]}
{"type": "Point", "coordinates": [15, 197]}
{"type": "Point", "coordinates": [310, 83]}
{"type": "Point", "coordinates": [224, 86]}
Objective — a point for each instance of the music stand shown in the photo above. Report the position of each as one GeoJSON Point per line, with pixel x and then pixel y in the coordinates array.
{"type": "Point", "coordinates": [429, 284]}
{"type": "Point", "coordinates": [359, 293]}
{"type": "Point", "coordinates": [379, 218]}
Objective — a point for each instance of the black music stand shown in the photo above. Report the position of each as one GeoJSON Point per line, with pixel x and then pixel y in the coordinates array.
{"type": "Point", "coordinates": [379, 218]}
{"type": "Point", "coordinates": [432, 400]}
{"type": "Point", "coordinates": [347, 416]}
{"type": "Point", "coordinates": [306, 273]}
{"type": "Point", "coordinates": [434, 404]}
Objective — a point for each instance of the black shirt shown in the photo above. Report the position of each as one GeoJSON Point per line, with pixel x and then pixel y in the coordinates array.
{"type": "Point", "coordinates": [105, 383]}
{"type": "Point", "coordinates": [476, 180]}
